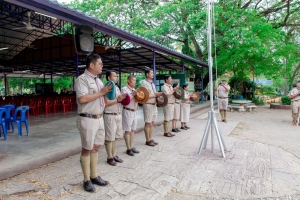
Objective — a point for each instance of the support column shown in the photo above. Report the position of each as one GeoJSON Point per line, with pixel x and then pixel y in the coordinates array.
{"type": "Point", "coordinates": [76, 65]}
{"type": "Point", "coordinates": [120, 69]}
{"type": "Point", "coordinates": [5, 82]}
{"type": "Point", "coordinates": [182, 68]}
{"type": "Point", "coordinates": [154, 67]}
{"type": "Point", "coordinates": [202, 84]}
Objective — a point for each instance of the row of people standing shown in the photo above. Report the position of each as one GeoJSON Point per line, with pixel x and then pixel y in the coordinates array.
{"type": "Point", "coordinates": [99, 115]}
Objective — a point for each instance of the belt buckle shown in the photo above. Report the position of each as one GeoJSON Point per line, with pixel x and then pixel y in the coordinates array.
{"type": "Point", "coordinates": [98, 116]}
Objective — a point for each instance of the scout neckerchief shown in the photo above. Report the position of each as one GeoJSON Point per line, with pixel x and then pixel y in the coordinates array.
{"type": "Point", "coordinates": [152, 84]}
{"type": "Point", "coordinates": [97, 80]}
{"type": "Point", "coordinates": [132, 89]}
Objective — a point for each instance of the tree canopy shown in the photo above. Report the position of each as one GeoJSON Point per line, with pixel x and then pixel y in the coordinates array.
{"type": "Point", "coordinates": [256, 37]}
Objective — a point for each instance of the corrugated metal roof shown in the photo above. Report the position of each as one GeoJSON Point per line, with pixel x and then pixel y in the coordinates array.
{"type": "Point", "coordinates": [68, 13]}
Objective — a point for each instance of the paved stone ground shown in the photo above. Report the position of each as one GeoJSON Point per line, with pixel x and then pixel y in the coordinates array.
{"type": "Point", "coordinates": [255, 166]}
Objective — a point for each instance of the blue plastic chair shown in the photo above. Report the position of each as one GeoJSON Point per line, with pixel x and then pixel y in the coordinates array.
{"type": "Point", "coordinates": [19, 119]}
{"type": "Point", "coordinates": [9, 108]}
{"type": "Point", "coordinates": [3, 121]}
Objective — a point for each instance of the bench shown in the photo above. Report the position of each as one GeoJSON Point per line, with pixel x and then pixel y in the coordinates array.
{"type": "Point", "coordinates": [250, 108]}
{"type": "Point", "coordinates": [236, 107]}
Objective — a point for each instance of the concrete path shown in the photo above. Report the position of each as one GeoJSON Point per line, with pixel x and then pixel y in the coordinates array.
{"type": "Point", "coordinates": [175, 170]}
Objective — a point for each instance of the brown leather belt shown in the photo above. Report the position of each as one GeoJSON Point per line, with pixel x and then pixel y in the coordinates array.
{"type": "Point", "coordinates": [223, 97]}
{"type": "Point", "coordinates": [153, 104]}
{"type": "Point", "coordinates": [111, 113]}
{"type": "Point", "coordinates": [90, 116]}
{"type": "Point", "coordinates": [129, 109]}
{"type": "Point", "coordinates": [170, 103]}
{"type": "Point", "coordinates": [297, 100]}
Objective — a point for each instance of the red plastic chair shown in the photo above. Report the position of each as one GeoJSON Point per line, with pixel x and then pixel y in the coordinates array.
{"type": "Point", "coordinates": [65, 104]}
{"type": "Point", "coordinates": [40, 105]}
{"type": "Point", "coordinates": [57, 104]}
{"type": "Point", "coordinates": [33, 107]}
{"type": "Point", "coordinates": [48, 105]}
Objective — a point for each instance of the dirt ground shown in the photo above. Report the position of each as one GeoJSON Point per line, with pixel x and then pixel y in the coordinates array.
{"type": "Point", "coordinates": [267, 126]}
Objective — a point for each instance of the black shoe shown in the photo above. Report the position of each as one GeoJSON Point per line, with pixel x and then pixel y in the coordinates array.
{"type": "Point", "coordinates": [178, 130]}
{"type": "Point", "coordinates": [134, 150]}
{"type": "Point", "coordinates": [183, 127]}
{"type": "Point", "coordinates": [187, 127]}
{"type": "Point", "coordinates": [156, 143]}
{"type": "Point", "coordinates": [99, 181]}
{"type": "Point", "coordinates": [117, 159]}
{"type": "Point", "coordinates": [174, 130]}
{"type": "Point", "coordinates": [111, 161]}
{"type": "Point", "coordinates": [88, 186]}
{"type": "Point", "coordinates": [130, 152]}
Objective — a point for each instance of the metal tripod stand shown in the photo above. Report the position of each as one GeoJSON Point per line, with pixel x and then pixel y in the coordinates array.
{"type": "Point", "coordinates": [211, 122]}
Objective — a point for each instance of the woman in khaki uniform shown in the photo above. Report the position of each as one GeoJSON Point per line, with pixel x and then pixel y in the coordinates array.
{"type": "Point", "coordinates": [294, 95]}
{"type": "Point", "coordinates": [176, 116]}
{"type": "Point", "coordinates": [185, 108]}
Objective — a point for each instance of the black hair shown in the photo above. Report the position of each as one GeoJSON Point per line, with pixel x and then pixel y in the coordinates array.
{"type": "Point", "coordinates": [147, 70]}
{"type": "Point", "coordinates": [298, 81]}
{"type": "Point", "coordinates": [294, 85]}
{"type": "Point", "coordinates": [91, 58]}
{"type": "Point", "coordinates": [167, 76]}
{"type": "Point", "coordinates": [175, 84]}
{"type": "Point", "coordinates": [185, 85]}
{"type": "Point", "coordinates": [108, 73]}
{"type": "Point", "coordinates": [131, 76]}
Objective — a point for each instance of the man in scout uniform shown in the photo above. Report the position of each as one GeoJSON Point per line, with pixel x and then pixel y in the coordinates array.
{"type": "Point", "coordinates": [150, 109]}
{"type": "Point", "coordinates": [168, 110]}
{"type": "Point", "coordinates": [129, 115]}
{"type": "Point", "coordinates": [178, 95]}
{"type": "Point", "coordinates": [294, 95]}
{"type": "Point", "coordinates": [223, 90]}
{"type": "Point", "coordinates": [112, 119]}
{"type": "Point", "coordinates": [90, 99]}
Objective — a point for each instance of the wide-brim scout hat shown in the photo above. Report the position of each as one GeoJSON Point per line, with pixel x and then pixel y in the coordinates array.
{"type": "Point", "coordinates": [178, 94]}
{"type": "Point", "coordinates": [142, 95]}
{"type": "Point", "coordinates": [126, 100]}
{"type": "Point", "coordinates": [194, 96]}
{"type": "Point", "coordinates": [162, 100]}
{"type": "Point", "coordinates": [112, 94]}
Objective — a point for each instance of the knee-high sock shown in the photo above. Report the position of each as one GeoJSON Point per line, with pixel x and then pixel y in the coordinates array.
{"type": "Point", "coordinates": [295, 115]}
{"type": "Point", "coordinates": [151, 132]}
{"type": "Point", "coordinates": [114, 148]}
{"type": "Point", "coordinates": [147, 133]}
{"type": "Point", "coordinates": [108, 147]}
{"type": "Point", "coordinates": [85, 162]}
{"type": "Point", "coordinates": [94, 162]}
{"type": "Point", "coordinates": [127, 140]}
{"type": "Point", "coordinates": [166, 127]}
{"type": "Point", "coordinates": [224, 114]}
{"type": "Point", "coordinates": [131, 140]}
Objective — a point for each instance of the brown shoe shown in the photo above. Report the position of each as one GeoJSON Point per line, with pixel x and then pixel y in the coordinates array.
{"type": "Point", "coordinates": [117, 159]}
{"type": "Point", "coordinates": [167, 135]}
{"type": "Point", "coordinates": [156, 143]}
{"type": "Point", "coordinates": [172, 134]}
{"type": "Point", "coordinates": [111, 161]}
{"type": "Point", "coordinates": [150, 143]}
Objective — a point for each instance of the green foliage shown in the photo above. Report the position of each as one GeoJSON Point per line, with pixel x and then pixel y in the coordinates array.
{"type": "Point", "coordinates": [258, 101]}
{"type": "Point", "coordinates": [62, 82]}
{"type": "Point", "coordinates": [239, 84]}
{"type": "Point", "coordinates": [286, 100]}
{"type": "Point", "coordinates": [267, 90]}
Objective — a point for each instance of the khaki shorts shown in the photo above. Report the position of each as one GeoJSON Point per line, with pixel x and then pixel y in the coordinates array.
{"type": "Point", "coordinates": [176, 111]}
{"type": "Point", "coordinates": [150, 113]}
{"type": "Point", "coordinates": [129, 120]}
{"type": "Point", "coordinates": [223, 104]}
{"type": "Point", "coordinates": [91, 131]}
{"type": "Point", "coordinates": [113, 127]}
{"type": "Point", "coordinates": [295, 106]}
{"type": "Point", "coordinates": [168, 112]}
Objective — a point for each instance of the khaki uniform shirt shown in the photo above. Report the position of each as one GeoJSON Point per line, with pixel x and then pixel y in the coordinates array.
{"type": "Point", "coordinates": [186, 93]}
{"type": "Point", "coordinates": [133, 104]}
{"type": "Point", "coordinates": [151, 89]}
{"type": "Point", "coordinates": [167, 89]}
{"type": "Point", "coordinates": [115, 108]}
{"type": "Point", "coordinates": [222, 91]}
{"type": "Point", "coordinates": [293, 92]}
{"type": "Point", "coordinates": [84, 85]}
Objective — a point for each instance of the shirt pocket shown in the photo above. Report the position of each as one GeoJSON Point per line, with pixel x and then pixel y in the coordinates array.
{"type": "Point", "coordinates": [92, 87]}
